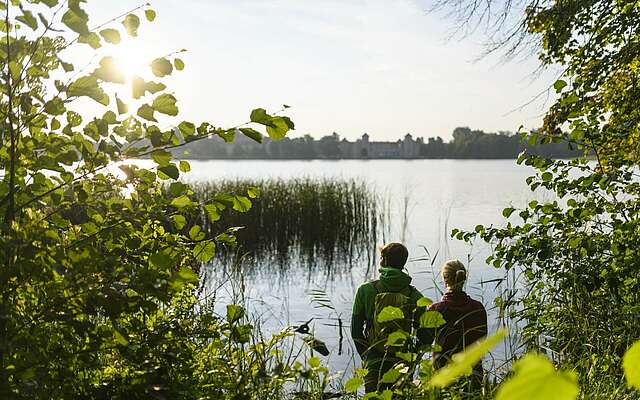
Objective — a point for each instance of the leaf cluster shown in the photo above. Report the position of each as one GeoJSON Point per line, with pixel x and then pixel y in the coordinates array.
{"type": "Point", "coordinates": [100, 257]}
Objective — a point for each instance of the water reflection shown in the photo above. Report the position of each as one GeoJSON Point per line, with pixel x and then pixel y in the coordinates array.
{"type": "Point", "coordinates": [430, 196]}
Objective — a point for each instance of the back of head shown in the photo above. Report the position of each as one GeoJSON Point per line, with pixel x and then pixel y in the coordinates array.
{"type": "Point", "coordinates": [393, 255]}
{"type": "Point", "coordinates": [454, 275]}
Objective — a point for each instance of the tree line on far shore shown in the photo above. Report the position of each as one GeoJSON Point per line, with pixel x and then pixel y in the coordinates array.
{"type": "Point", "coordinates": [466, 143]}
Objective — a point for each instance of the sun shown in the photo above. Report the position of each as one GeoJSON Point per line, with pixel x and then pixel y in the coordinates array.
{"type": "Point", "coordinates": [132, 58]}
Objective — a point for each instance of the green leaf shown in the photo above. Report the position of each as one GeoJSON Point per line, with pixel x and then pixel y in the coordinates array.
{"type": "Point", "coordinates": [353, 384]}
{"type": "Point", "coordinates": [168, 171]}
{"type": "Point", "coordinates": [314, 362]}
{"type": "Point", "coordinates": [165, 104]}
{"type": "Point", "coordinates": [146, 111]}
{"type": "Point", "coordinates": [234, 313]}
{"type": "Point", "coordinates": [109, 71]}
{"type": "Point", "coordinates": [241, 333]}
{"type": "Point", "coordinates": [68, 67]}
{"type": "Point", "coordinates": [161, 67]}
{"type": "Point", "coordinates": [111, 35]}
{"type": "Point", "coordinates": [185, 166]}
{"type": "Point", "coordinates": [122, 107]}
{"type": "Point", "coordinates": [88, 86]}
{"type": "Point", "coordinates": [177, 188]}
{"type": "Point", "coordinates": [76, 19]}
{"type": "Point", "coordinates": [138, 87]}
{"type": "Point", "coordinates": [110, 118]}
{"type": "Point", "coordinates": [187, 275]}
{"type": "Point", "coordinates": [179, 64]}
{"type": "Point", "coordinates": [161, 260]}
{"type": "Point", "coordinates": [424, 302]}
{"type": "Point", "coordinates": [74, 119]}
{"type": "Point", "coordinates": [507, 212]}
{"type": "Point", "coordinates": [252, 133]}
{"type": "Point", "coordinates": [92, 39]}
{"type": "Point", "coordinates": [154, 87]}
{"type": "Point", "coordinates": [391, 376]}
{"type": "Point", "coordinates": [241, 204]}
{"type": "Point", "coordinates": [289, 123]}
{"type": "Point", "coordinates": [278, 128]}
{"type": "Point", "coordinates": [55, 106]}
{"type": "Point", "coordinates": [131, 24]}
{"type": "Point", "coordinates": [179, 221]}
{"type": "Point", "coordinates": [431, 319]}
{"type": "Point", "coordinates": [536, 379]}
{"type": "Point", "coordinates": [187, 128]}
{"type": "Point", "coordinates": [212, 212]}
{"type": "Point", "coordinates": [397, 338]}
{"type": "Point", "coordinates": [462, 363]}
{"type": "Point", "coordinates": [631, 365]}
{"type": "Point", "coordinates": [559, 85]}
{"type": "Point", "coordinates": [50, 3]}
{"type": "Point", "coordinates": [260, 116]}
{"type": "Point", "coordinates": [150, 15]}
{"type": "Point", "coordinates": [15, 69]}
{"type": "Point", "coordinates": [253, 192]}
{"type": "Point", "coordinates": [28, 18]}
{"type": "Point", "coordinates": [226, 134]}
{"type": "Point", "coordinates": [390, 313]}
{"type": "Point", "coordinates": [162, 157]}
{"type": "Point", "coordinates": [182, 202]}
{"type": "Point", "coordinates": [195, 233]}
{"type": "Point", "coordinates": [119, 338]}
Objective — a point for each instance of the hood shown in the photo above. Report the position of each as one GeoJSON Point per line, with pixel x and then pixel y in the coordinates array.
{"type": "Point", "coordinates": [394, 278]}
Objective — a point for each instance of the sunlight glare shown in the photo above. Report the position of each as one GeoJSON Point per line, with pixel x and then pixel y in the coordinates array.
{"type": "Point", "coordinates": [133, 58]}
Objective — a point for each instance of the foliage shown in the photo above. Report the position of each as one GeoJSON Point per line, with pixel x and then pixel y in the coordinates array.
{"type": "Point", "coordinates": [462, 363]}
{"type": "Point", "coordinates": [97, 284]}
{"type": "Point", "coordinates": [631, 365]}
{"type": "Point", "coordinates": [578, 253]}
{"type": "Point", "coordinates": [477, 144]}
{"type": "Point", "coordinates": [536, 378]}
{"type": "Point", "coordinates": [98, 266]}
{"type": "Point", "coordinates": [533, 376]}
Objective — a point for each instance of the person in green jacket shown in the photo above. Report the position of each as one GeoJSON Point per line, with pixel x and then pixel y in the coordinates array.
{"type": "Point", "coordinates": [393, 279]}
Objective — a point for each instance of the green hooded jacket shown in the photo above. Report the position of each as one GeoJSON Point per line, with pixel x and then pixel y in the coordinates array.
{"type": "Point", "coordinates": [394, 280]}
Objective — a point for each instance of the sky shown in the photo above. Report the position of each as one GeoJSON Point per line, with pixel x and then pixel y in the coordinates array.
{"type": "Point", "coordinates": [384, 67]}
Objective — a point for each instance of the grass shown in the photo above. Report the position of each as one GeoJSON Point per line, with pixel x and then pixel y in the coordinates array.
{"type": "Point", "coordinates": [304, 221]}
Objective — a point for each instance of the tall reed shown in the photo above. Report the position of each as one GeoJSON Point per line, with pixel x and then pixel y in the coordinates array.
{"type": "Point", "coordinates": [304, 221]}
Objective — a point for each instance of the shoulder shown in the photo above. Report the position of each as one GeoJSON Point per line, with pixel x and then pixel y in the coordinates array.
{"type": "Point", "coordinates": [415, 293]}
{"type": "Point", "coordinates": [437, 306]}
{"type": "Point", "coordinates": [476, 304]}
{"type": "Point", "coordinates": [366, 288]}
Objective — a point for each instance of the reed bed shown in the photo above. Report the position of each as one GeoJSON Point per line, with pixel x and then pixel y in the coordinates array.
{"type": "Point", "coordinates": [304, 221]}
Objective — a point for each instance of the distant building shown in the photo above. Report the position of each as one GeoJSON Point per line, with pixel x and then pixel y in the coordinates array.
{"type": "Point", "coordinates": [363, 148]}
{"type": "Point", "coordinates": [327, 147]}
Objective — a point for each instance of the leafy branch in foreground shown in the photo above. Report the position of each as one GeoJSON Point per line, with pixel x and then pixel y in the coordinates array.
{"type": "Point", "coordinates": [98, 270]}
{"type": "Point", "coordinates": [578, 252]}
{"type": "Point", "coordinates": [533, 376]}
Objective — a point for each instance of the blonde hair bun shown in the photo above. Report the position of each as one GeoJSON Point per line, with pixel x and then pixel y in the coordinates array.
{"type": "Point", "coordinates": [454, 275]}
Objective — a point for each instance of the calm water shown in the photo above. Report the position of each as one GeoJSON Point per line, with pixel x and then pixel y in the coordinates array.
{"type": "Point", "coordinates": [427, 198]}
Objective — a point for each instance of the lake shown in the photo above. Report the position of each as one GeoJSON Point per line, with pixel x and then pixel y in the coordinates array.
{"type": "Point", "coordinates": [427, 198]}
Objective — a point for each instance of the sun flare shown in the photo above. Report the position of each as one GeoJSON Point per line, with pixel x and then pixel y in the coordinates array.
{"type": "Point", "coordinates": [133, 59]}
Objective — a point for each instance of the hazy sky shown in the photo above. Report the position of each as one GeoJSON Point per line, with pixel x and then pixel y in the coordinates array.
{"type": "Point", "coordinates": [352, 66]}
